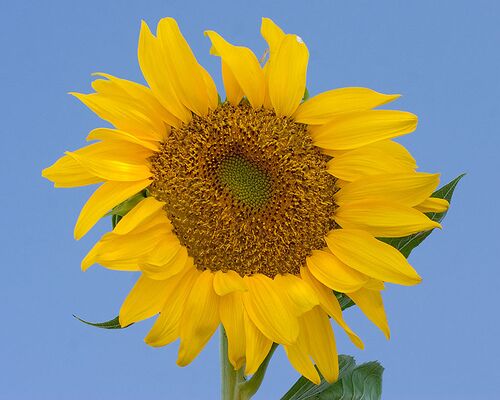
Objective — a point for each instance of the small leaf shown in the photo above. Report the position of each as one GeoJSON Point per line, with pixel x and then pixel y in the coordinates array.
{"type": "Point", "coordinates": [123, 208]}
{"type": "Point", "coordinates": [304, 389]}
{"type": "Point", "coordinates": [344, 300]}
{"type": "Point", "coordinates": [306, 95]}
{"type": "Point", "coordinates": [406, 244]}
{"type": "Point", "coordinates": [111, 324]}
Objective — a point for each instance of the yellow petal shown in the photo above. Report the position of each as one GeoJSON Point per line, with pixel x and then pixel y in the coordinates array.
{"type": "Point", "coordinates": [433, 204]}
{"type": "Point", "coordinates": [231, 315]}
{"type": "Point", "coordinates": [154, 67]}
{"type": "Point", "coordinates": [300, 295]}
{"type": "Point", "coordinates": [228, 282]}
{"type": "Point", "coordinates": [244, 66]}
{"type": "Point", "coordinates": [374, 284]}
{"type": "Point", "coordinates": [166, 327]}
{"type": "Point", "coordinates": [370, 302]}
{"type": "Point", "coordinates": [144, 300]}
{"type": "Point", "coordinates": [407, 189]}
{"type": "Point", "coordinates": [143, 211]}
{"type": "Point", "coordinates": [360, 128]}
{"type": "Point", "coordinates": [268, 311]}
{"type": "Point", "coordinates": [127, 252]}
{"type": "Point", "coordinates": [185, 74]}
{"type": "Point", "coordinates": [234, 93]}
{"type": "Point", "coordinates": [165, 271]}
{"type": "Point", "coordinates": [113, 170]}
{"type": "Point", "coordinates": [141, 98]}
{"type": "Point", "coordinates": [321, 108]}
{"type": "Point", "coordinates": [384, 157]}
{"type": "Point", "coordinates": [383, 219]}
{"type": "Point", "coordinates": [320, 340]}
{"type": "Point", "coordinates": [114, 135]}
{"type": "Point", "coordinates": [107, 196]}
{"type": "Point", "coordinates": [257, 346]}
{"type": "Point", "coordinates": [330, 304]}
{"type": "Point", "coordinates": [124, 113]}
{"type": "Point", "coordinates": [287, 75]}
{"type": "Point", "coordinates": [200, 318]}
{"type": "Point", "coordinates": [298, 356]}
{"type": "Point", "coordinates": [332, 272]}
{"type": "Point", "coordinates": [363, 252]}
{"type": "Point", "coordinates": [272, 33]}
{"type": "Point", "coordinates": [67, 172]}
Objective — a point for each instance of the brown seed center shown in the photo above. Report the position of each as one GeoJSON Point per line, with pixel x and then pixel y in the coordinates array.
{"type": "Point", "coordinates": [245, 191]}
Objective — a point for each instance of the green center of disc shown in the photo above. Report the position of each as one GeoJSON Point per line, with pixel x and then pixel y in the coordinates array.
{"type": "Point", "coordinates": [246, 181]}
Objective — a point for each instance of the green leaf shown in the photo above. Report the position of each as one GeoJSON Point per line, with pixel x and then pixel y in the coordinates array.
{"type": "Point", "coordinates": [123, 208]}
{"type": "Point", "coordinates": [306, 95]}
{"type": "Point", "coordinates": [406, 244]}
{"type": "Point", "coordinates": [362, 382]}
{"type": "Point", "coordinates": [111, 324]}
{"type": "Point", "coordinates": [304, 389]}
{"type": "Point", "coordinates": [344, 300]}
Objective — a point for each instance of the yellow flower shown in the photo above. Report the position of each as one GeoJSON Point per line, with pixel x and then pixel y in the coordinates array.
{"type": "Point", "coordinates": [258, 208]}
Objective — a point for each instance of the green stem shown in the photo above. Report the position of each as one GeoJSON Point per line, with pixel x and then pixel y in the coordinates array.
{"type": "Point", "coordinates": [234, 384]}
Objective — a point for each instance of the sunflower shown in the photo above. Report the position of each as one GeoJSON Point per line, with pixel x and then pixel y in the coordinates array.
{"type": "Point", "coordinates": [253, 212]}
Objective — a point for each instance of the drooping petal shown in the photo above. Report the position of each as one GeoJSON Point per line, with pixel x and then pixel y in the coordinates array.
{"type": "Point", "coordinates": [228, 282]}
{"type": "Point", "coordinates": [330, 304]}
{"type": "Point", "coordinates": [153, 63]}
{"type": "Point", "coordinates": [384, 157]}
{"type": "Point", "coordinates": [320, 341]}
{"type": "Point", "coordinates": [108, 195]}
{"type": "Point", "coordinates": [144, 300]}
{"type": "Point", "coordinates": [231, 311]}
{"type": "Point", "coordinates": [268, 311]}
{"type": "Point", "coordinates": [287, 75]}
{"type": "Point", "coordinates": [185, 74]}
{"type": "Point", "coordinates": [433, 204]}
{"type": "Point", "coordinates": [321, 108]}
{"type": "Point", "coordinates": [143, 211]}
{"type": "Point", "coordinates": [199, 319]}
{"type": "Point", "coordinates": [166, 327]}
{"type": "Point", "coordinates": [361, 251]}
{"type": "Point", "coordinates": [300, 295]}
{"type": "Point", "coordinates": [407, 189]}
{"type": "Point", "coordinates": [257, 346]}
{"type": "Point", "coordinates": [298, 356]}
{"type": "Point", "coordinates": [332, 272]}
{"type": "Point", "coordinates": [370, 302]}
{"type": "Point", "coordinates": [383, 219]}
{"type": "Point", "coordinates": [360, 128]}
{"type": "Point", "coordinates": [243, 65]}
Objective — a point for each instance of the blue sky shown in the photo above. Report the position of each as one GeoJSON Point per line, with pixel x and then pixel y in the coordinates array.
{"type": "Point", "coordinates": [442, 56]}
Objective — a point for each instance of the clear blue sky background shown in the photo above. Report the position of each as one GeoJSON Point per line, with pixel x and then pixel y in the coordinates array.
{"type": "Point", "coordinates": [443, 56]}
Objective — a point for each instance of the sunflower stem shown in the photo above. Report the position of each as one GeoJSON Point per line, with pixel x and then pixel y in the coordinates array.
{"type": "Point", "coordinates": [234, 384]}
{"type": "Point", "coordinates": [228, 373]}
{"type": "Point", "coordinates": [247, 388]}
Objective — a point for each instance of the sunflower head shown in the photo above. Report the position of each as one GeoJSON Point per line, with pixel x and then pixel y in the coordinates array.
{"type": "Point", "coordinates": [258, 208]}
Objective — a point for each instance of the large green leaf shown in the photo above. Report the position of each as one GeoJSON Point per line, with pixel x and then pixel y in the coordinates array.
{"type": "Point", "coordinates": [362, 382]}
{"type": "Point", "coordinates": [406, 244]}
{"type": "Point", "coordinates": [111, 324]}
